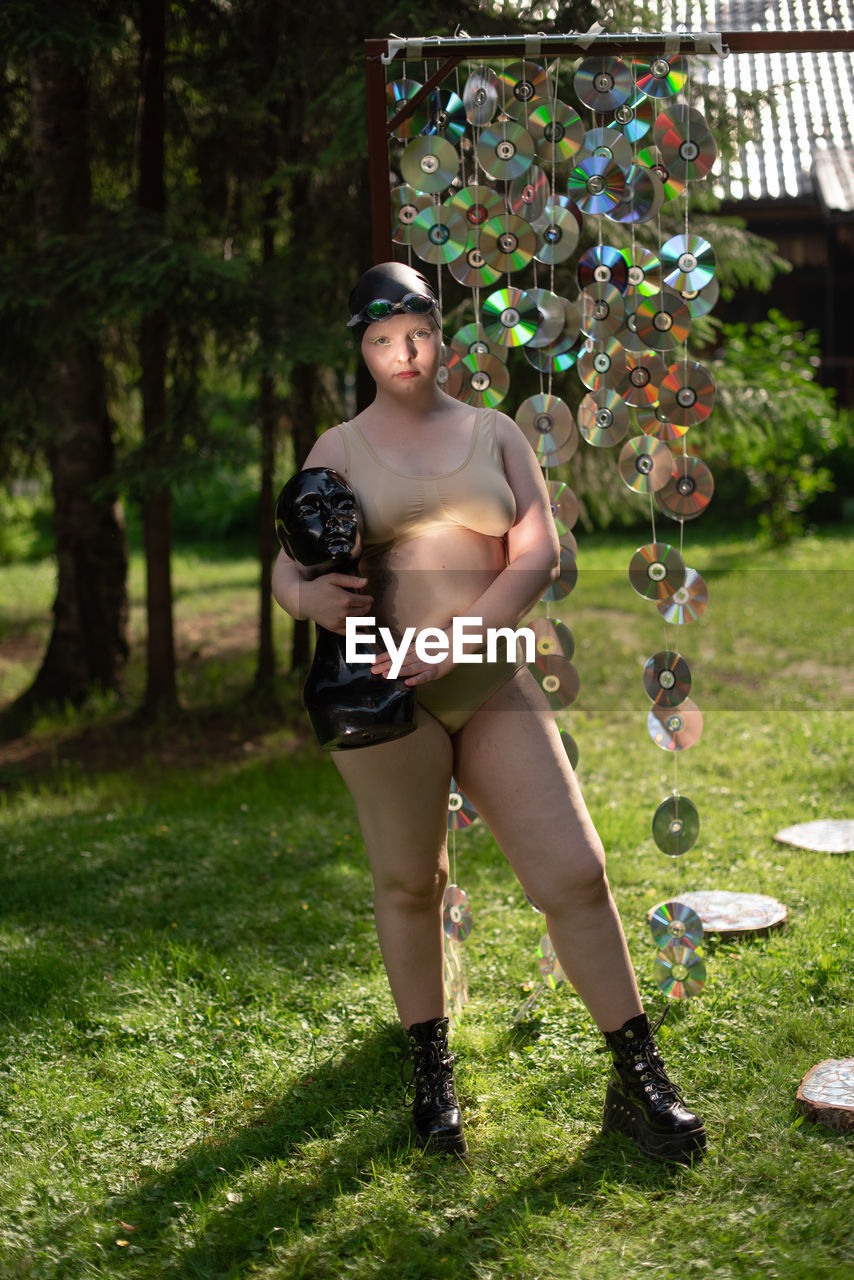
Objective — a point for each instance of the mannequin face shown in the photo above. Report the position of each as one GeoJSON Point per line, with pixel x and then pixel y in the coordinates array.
{"type": "Point", "coordinates": [317, 518]}
{"type": "Point", "coordinates": [403, 353]}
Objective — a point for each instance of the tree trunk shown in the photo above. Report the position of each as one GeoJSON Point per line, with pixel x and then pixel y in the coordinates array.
{"type": "Point", "coordinates": [160, 687]}
{"type": "Point", "coordinates": [88, 646]}
{"type": "Point", "coordinates": [266, 669]}
{"type": "Point", "coordinates": [304, 380]}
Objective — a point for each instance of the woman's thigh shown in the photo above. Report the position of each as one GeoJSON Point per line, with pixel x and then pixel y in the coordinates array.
{"type": "Point", "coordinates": [511, 763]}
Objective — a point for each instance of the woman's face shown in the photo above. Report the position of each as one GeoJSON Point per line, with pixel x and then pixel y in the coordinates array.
{"type": "Point", "coordinates": [403, 353]}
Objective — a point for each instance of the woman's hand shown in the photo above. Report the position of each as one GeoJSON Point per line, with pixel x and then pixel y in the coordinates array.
{"type": "Point", "coordinates": [331, 598]}
{"type": "Point", "coordinates": [415, 670]}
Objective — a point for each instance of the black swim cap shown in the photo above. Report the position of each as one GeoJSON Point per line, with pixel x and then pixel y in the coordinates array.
{"type": "Point", "coordinates": [391, 281]}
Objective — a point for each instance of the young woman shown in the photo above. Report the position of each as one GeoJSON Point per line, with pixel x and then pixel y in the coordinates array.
{"type": "Point", "coordinates": [457, 523]}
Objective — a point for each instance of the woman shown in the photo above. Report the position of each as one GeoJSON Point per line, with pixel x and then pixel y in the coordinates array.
{"type": "Point", "coordinates": [458, 523]}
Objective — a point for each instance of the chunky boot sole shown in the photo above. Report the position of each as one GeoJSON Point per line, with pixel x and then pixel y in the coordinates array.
{"type": "Point", "coordinates": [449, 1143]}
{"type": "Point", "coordinates": [624, 1116]}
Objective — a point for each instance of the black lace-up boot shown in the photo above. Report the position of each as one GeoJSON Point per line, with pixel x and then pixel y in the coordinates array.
{"type": "Point", "coordinates": [430, 1088]}
{"type": "Point", "coordinates": [642, 1103]}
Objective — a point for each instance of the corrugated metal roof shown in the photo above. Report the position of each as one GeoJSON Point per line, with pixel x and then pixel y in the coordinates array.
{"type": "Point", "coordinates": [804, 149]}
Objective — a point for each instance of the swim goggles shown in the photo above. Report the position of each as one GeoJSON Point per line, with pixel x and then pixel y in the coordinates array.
{"type": "Point", "coordinates": [418, 304]}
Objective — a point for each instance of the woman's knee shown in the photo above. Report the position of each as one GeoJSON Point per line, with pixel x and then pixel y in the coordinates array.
{"type": "Point", "coordinates": [578, 882]}
{"type": "Point", "coordinates": [411, 893]}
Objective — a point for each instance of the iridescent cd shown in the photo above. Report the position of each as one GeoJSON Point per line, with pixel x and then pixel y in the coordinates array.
{"type": "Point", "coordinates": [663, 321]}
{"type": "Point", "coordinates": [508, 243]}
{"type": "Point", "coordinates": [645, 372]}
{"type": "Point", "coordinates": [651, 158]}
{"type": "Point", "coordinates": [456, 913]}
{"type": "Point", "coordinates": [676, 922]}
{"type": "Point", "coordinates": [557, 358]}
{"type": "Point", "coordinates": [557, 678]}
{"type": "Point", "coordinates": [602, 310]}
{"type": "Point", "coordinates": [429, 164]}
{"type": "Point", "coordinates": [547, 425]}
{"type": "Point", "coordinates": [603, 364]}
{"type": "Point", "coordinates": [656, 570]}
{"type": "Point", "coordinates": [602, 265]}
{"type": "Point", "coordinates": [687, 262]}
{"type": "Point", "coordinates": [603, 418]}
{"type": "Point", "coordinates": [687, 602]}
{"type": "Point", "coordinates": [645, 464]}
{"type": "Point", "coordinates": [552, 309]}
{"type": "Point", "coordinates": [406, 204]}
{"type": "Point", "coordinates": [528, 195]}
{"type": "Point", "coordinates": [603, 83]}
{"type": "Point", "coordinates": [664, 78]}
{"type": "Point", "coordinates": [654, 423]}
{"type": "Point", "coordinates": [643, 197]}
{"type": "Point", "coordinates": [701, 301]}
{"type": "Point", "coordinates": [667, 678]}
{"type": "Point", "coordinates": [679, 972]}
{"type": "Point", "coordinates": [472, 269]}
{"type": "Point", "coordinates": [557, 130]}
{"type": "Point", "coordinates": [564, 505]}
{"type": "Point", "coordinates": [689, 489]}
{"type": "Point", "coordinates": [566, 581]}
{"type": "Point", "coordinates": [549, 965]}
{"type": "Point", "coordinates": [510, 317]}
{"type": "Point", "coordinates": [687, 147]}
{"type": "Point", "coordinates": [557, 233]}
{"type": "Point", "coordinates": [450, 373]}
{"type": "Point", "coordinates": [553, 638]}
{"type": "Point", "coordinates": [634, 119]}
{"type": "Point", "coordinates": [608, 144]}
{"type": "Point", "coordinates": [570, 746]}
{"type": "Point", "coordinates": [447, 115]}
{"type": "Point", "coordinates": [485, 381]}
{"type": "Point", "coordinates": [480, 96]}
{"type": "Point", "coordinates": [675, 826]}
{"type": "Point", "coordinates": [505, 150]}
{"type": "Point", "coordinates": [521, 86]}
{"type": "Point", "coordinates": [471, 340]}
{"type": "Point", "coordinates": [596, 184]}
{"type": "Point", "coordinates": [628, 335]}
{"type": "Point", "coordinates": [461, 811]}
{"type": "Point", "coordinates": [675, 728]}
{"type": "Point", "coordinates": [438, 235]}
{"type": "Point", "coordinates": [477, 204]}
{"type": "Point", "coordinates": [687, 394]}
{"type": "Point", "coordinates": [398, 92]}
{"type": "Point", "coordinates": [679, 117]}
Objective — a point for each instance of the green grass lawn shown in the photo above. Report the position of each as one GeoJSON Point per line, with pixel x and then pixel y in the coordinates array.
{"type": "Point", "coordinates": [198, 1052]}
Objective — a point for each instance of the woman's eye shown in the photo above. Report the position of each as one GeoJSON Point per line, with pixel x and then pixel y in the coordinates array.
{"type": "Point", "coordinates": [423, 333]}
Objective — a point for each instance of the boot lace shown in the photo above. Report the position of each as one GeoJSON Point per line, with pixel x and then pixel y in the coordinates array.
{"type": "Point", "coordinates": [426, 1074]}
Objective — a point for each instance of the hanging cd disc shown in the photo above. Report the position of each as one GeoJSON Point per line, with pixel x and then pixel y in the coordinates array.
{"type": "Point", "coordinates": [679, 972]}
{"type": "Point", "coordinates": [635, 117]}
{"type": "Point", "coordinates": [547, 425]}
{"type": "Point", "coordinates": [507, 243]}
{"type": "Point", "coordinates": [406, 204]}
{"type": "Point", "coordinates": [628, 335]}
{"type": "Point", "coordinates": [471, 340]}
{"type": "Point", "coordinates": [656, 570]}
{"type": "Point", "coordinates": [549, 965]}
{"type": "Point", "coordinates": [676, 922]}
{"type": "Point", "coordinates": [557, 233]}
{"type": "Point", "coordinates": [596, 184]}
{"type": "Point", "coordinates": [687, 121]}
{"type": "Point", "coordinates": [667, 678]}
{"type": "Point", "coordinates": [521, 85]}
{"type": "Point", "coordinates": [505, 150]}
{"type": "Point", "coordinates": [602, 310]}
{"type": "Point", "coordinates": [472, 269]}
{"type": "Point", "coordinates": [701, 301]}
{"type": "Point", "coordinates": [447, 115]}
{"type": "Point", "coordinates": [603, 418]}
{"type": "Point", "coordinates": [603, 83]}
{"type": "Point", "coordinates": [687, 602]}
{"type": "Point", "coordinates": [645, 372]}
{"type": "Point", "coordinates": [675, 826]}
{"type": "Point", "coordinates": [477, 204]}
{"type": "Point", "coordinates": [687, 394]}
{"type": "Point", "coordinates": [603, 364]}
{"type": "Point", "coordinates": [675, 728]}
{"type": "Point", "coordinates": [485, 381]}
{"type": "Point", "coordinates": [689, 489]}
{"type": "Point", "coordinates": [552, 309]}
{"type": "Point", "coordinates": [461, 812]}
{"type": "Point", "coordinates": [570, 746]}
{"type": "Point", "coordinates": [528, 195]}
{"type": "Point", "coordinates": [645, 464]}
{"type": "Point", "coordinates": [642, 199]}
{"type": "Point", "coordinates": [651, 158]}
{"type": "Point", "coordinates": [429, 164]}
{"type": "Point", "coordinates": [450, 373]}
{"type": "Point", "coordinates": [438, 235]}
{"type": "Point", "coordinates": [566, 580]}
{"type": "Point", "coordinates": [602, 265]}
{"type": "Point", "coordinates": [654, 423]}
{"type": "Point", "coordinates": [663, 321]}
{"type": "Point", "coordinates": [608, 144]}
{"type": "Point", "coordinates": [397, 92]}
{"type": "Point", "coordinates": [456, 913]}
{"type": "Point", "coordinates": [480, 96]}
{"type": "Point", "coordinates": [686, 144]}
{"type": "Point", "coordinates": [557, 130]}
{"type": "Point", "coordinates": [564, 505]}
{"type": "Point", "coordinates": [556, 358]}
{"type": "Point", "coordinates": [510, 317]}
{"type": "Point", "coordinates": [554, 638]}
{"type": "Point", "coordinates": [687, 262]}
{"type": "Point", "coordinates": [664, 78]}
{"type": "Point", "coordinates": [557, 678]}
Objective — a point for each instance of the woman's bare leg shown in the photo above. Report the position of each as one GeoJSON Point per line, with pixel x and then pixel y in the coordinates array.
{"type": "Point", "coordinates": [401, 793]}
{"type": "Point", "coordinates": [510, 762]}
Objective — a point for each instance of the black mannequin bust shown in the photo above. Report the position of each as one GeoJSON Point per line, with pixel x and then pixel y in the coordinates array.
{"type": "Point", "coordinates": [319, 526]}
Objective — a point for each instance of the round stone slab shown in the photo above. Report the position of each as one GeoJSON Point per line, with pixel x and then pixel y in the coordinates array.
{"type": "Point", "coordinates": [826, 1094]}
{"type": "Point", "coordinates": [827, 835]}
{"type": "Point", "coordinates": [735, 914]}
